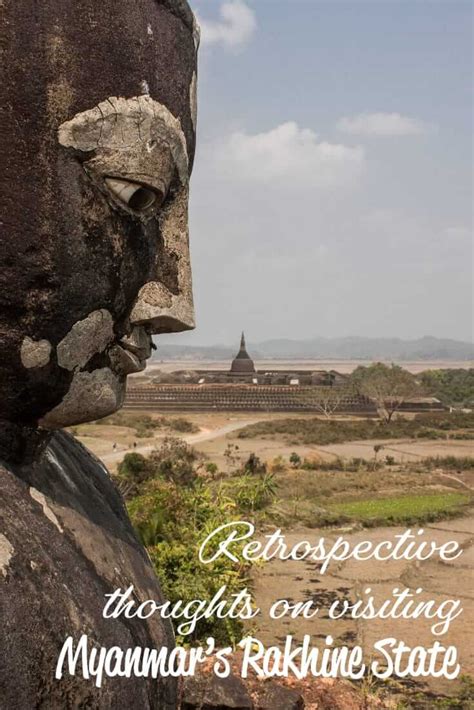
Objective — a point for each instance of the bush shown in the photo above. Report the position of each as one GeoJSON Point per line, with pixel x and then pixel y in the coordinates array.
{"type": "Point", "coordinates": [453, 463]}
{"type": "Point", "coordinates": [252, 494]}
{"type": "Point", "coordinates": [174, 461]}
{"type": "Point", "coordinates": [336, 464]}
{"type": "Point", "coordinates": [278, 465]}
{"type": "Point", "coordinates": [253, 465]}
{"type": "Point", "coordinates": [145, 425]}
{"type": "Point", "coordinates": [211, 468]}
{"type": "Point", "coordinates": [133, 471]}
{"type": "Point", "coordinates": [184, 426]}
{"type": "Point", "coordinates": [295, 459]}
{"type": "Point", "coordinates": [172, 522]}
{"type": "Point", "coordinates": [430, 434]}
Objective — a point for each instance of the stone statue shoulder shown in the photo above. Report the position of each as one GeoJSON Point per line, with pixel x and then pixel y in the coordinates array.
{"type": "Point", "coordinates": [65, 542]}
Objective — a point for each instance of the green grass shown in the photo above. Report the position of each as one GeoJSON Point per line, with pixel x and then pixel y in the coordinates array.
{"type": "Point", "coordinates": [403, 509]}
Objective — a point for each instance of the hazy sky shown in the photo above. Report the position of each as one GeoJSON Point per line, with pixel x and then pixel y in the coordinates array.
{"type": "Point", "coordinates": [332, 187]}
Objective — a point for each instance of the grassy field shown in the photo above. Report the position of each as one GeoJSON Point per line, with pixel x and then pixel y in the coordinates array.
{"type": "Point", "coordinates": [403, 509]}
{"type": "Point", "coordinates": [315, 430]}
{"type": "Point", "coordinates": [367, 497]}
{"type": "Point", "coordinates": [341, 484]}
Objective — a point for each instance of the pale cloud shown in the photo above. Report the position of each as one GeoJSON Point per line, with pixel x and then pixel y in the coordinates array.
{"type": "Point", "coordinates": [288, 155]}
{"type": "Point", "coordinates": [383, 124]}
{"type": "Point", "coordinates": [235, 27]}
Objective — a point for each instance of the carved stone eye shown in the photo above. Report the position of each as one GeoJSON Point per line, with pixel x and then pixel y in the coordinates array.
{"type": "Point", "coordinates": [137, 197]}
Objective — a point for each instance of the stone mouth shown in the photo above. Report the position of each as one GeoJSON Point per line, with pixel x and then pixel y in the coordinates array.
{"type": "Point", "coordinates": [129, 354]}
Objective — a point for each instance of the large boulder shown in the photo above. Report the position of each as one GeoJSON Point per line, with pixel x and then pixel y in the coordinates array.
{"type": "Point", "coordinates": [208, 692]}
{"type": "Point", "coordinates": [277, 697]}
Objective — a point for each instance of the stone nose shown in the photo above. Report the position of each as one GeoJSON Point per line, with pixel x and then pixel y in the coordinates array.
{"type": "Point", "coordinates": [163, 311]}
{"type": "Point", "coordinates": [165, 303]}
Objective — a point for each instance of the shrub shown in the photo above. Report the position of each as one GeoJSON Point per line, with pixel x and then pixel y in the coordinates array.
{"type": "Point", "coordinates": [174, 461]}
{"type": "Point", "coordinates": [336, 464]}
{"type": "Point", "coordinates": [295, 459]}
{"type": "Point", "coordinates": [211, 468]}
{"type": "Point", "coordinates": [252, 494]}
{"type": "Point", "coordinates": [182, 425]}
{"type": "Point", "coordinates": [254, 465]}
{"type": "Point", "coordinates": [454, 463]}
{"type": "Point", "coordinates": [278, 465]}
{"type": "Point", "coordinates": [430, 434]}
{"type": "Point", "coordinates": [133, 471]}
{"type": "Point", "coordinates": [172, 521]}
{"type": "Point", "coordinates": [322, 432]}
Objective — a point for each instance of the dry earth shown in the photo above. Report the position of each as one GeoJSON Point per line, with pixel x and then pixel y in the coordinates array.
{"type": "Point", "coordinates": [301, 580]}
{"type": "Point", "coordinates": [218, 429]}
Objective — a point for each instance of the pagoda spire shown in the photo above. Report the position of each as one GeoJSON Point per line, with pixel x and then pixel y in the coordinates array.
{"type": "Point", "coordinates": [242, 363]}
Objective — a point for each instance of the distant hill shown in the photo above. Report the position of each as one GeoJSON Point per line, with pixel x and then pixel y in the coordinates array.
{"type": "Point", "coordinates": [349, 348]}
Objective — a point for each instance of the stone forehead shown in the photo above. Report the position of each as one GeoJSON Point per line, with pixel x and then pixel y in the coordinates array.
{"type": "Point", "coordinates": [124, 124]}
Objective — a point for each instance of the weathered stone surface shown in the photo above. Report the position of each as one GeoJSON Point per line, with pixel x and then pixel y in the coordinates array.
{"type": "Point", "coordinates": [65, 542]}
{"type": "Point", "coordinates": [110, 99]}
{"type": "Point", "coordinates": [6, 551]}
{"type": "Point", "coordinates": [96, 99]}
{"type": "Point", "coordinates": [119, 124]}
{"type": "Point", "coordinates": [193, 99]}
{"type": "Point", "coordinates": [87, 337]}
{"type": "Point", "coordinates": [35, 353]}
{"type": "Point", "coordinates": [277, 697]}
{"type": "Point", "coordinates": [208, 692]}
{"type": "Point", "coordinates": [91, 395]}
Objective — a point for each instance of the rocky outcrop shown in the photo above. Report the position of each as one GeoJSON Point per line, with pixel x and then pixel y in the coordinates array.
{"type": "Point", "coordinates": [277, 697]}
{"type": "Point", "coordinates": [65, 542]}
{"type": "Point", "coordinates": [208, 692]}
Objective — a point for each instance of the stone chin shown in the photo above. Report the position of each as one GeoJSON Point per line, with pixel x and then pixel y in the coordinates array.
{"type": "Point", "coordinates": [92, 395]}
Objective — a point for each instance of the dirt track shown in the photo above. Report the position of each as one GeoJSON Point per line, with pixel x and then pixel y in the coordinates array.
{"type": "Point", "coordinates": [201, 436]}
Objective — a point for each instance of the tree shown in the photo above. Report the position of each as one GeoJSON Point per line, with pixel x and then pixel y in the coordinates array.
{"type": "Point", "coordinates": [454, 387]}
{"type": "Point", "coordinates": [328, 399]}
{"type": "Point", "coordinates": [388, 387]}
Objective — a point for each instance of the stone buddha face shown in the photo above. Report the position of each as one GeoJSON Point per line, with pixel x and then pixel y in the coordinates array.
{"type": "Point", "coordinates": [98, 144]}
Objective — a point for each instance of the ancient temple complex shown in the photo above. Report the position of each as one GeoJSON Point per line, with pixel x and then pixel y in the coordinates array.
{"type": "Point", "coordinates": [243, 387]}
